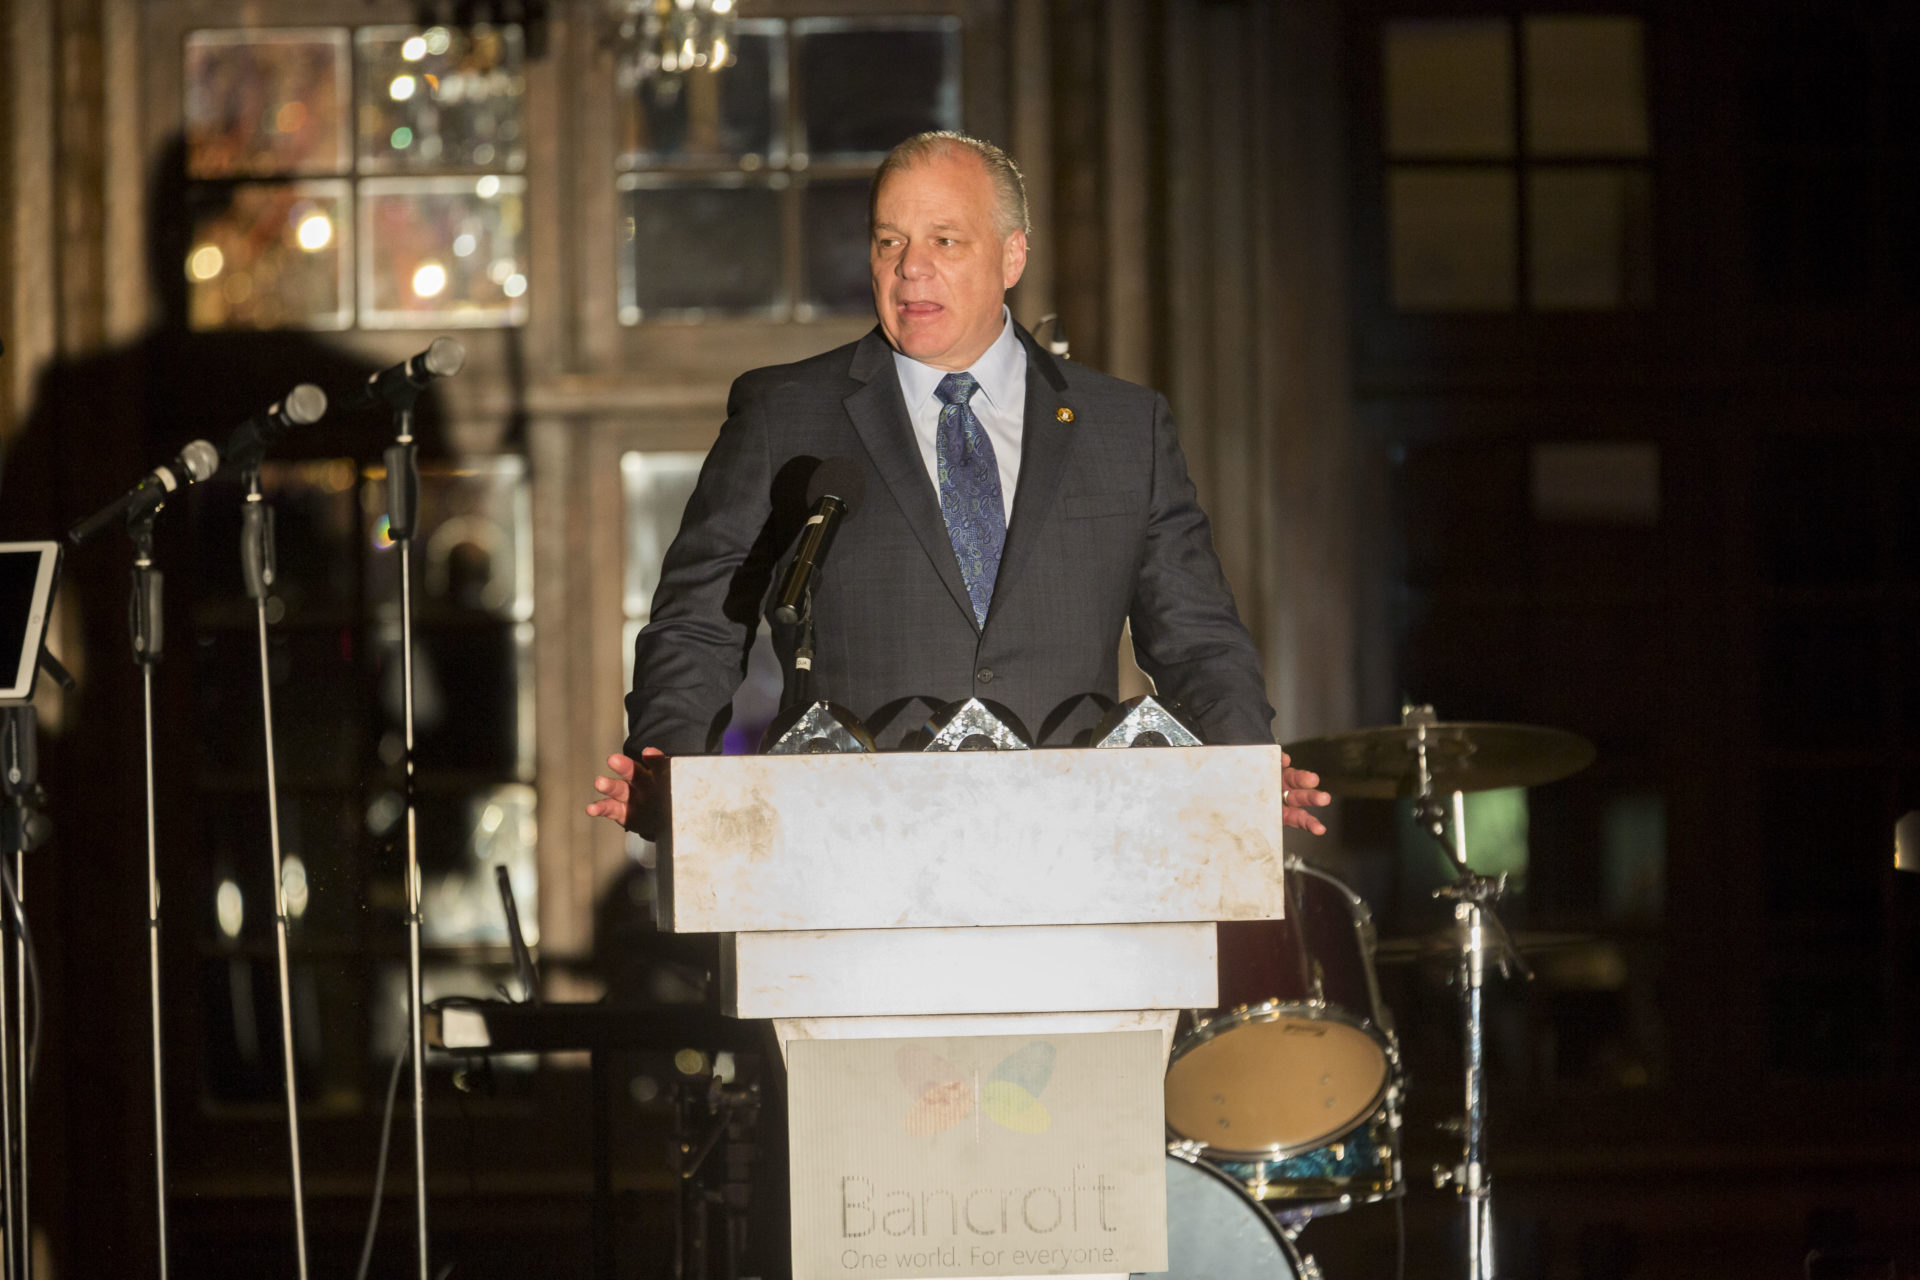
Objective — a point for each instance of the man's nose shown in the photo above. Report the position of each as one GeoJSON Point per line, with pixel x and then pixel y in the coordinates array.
{"type": "Point", "coordinates": [914, 262]}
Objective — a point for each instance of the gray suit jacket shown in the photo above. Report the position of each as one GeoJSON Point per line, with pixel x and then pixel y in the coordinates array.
{"type": "Point", "coordinates": [1105, 527]}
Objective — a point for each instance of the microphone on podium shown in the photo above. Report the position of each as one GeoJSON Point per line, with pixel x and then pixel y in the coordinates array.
{"type": "Point", "coordinates": [835, 490]}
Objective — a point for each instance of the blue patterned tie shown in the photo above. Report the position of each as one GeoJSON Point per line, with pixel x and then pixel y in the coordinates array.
{"type": "Point", "coordinates": [970, 491]}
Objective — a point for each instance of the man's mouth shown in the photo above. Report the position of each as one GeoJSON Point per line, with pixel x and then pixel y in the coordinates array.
{"type": "Point", "coordinates": [920, 308]}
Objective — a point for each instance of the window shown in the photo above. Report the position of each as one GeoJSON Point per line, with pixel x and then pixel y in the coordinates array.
{"type": "Point", "coordinates": [1503, 186]}
{"type": "Point", "coordinates": [655, 487]}
{"type": "Point", "coordinates": [334, 660]}
{"type": "Point", "coordinates": [369, 177]}
{"type": "Point", "coordinates": [743, 191]}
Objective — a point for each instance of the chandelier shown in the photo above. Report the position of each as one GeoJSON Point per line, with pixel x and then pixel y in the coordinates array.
{"type": "Point", "coordinates": [663, 40]}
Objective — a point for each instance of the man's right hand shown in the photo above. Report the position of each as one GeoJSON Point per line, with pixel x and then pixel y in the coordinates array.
{"type": "Point", "coordinates": [633, 793]}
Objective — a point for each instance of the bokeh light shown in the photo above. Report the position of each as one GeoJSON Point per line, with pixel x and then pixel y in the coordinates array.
{"type": "Point", "coordinates": [315, 232]}
{"type": "Point", "coordinates": [429, 279]}
{"type": "Point", "coordinates": [402, 88]}
{"type": "Point", "coordinates": [229, 908]}
{"type": "Point", "coordinates": [205, 262]}
{"type": "Point", "coordinates": [293, 885]}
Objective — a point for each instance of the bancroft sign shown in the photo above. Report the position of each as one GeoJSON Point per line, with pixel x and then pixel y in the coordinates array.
{"type": "Point", "coordinates": [978, 1156]}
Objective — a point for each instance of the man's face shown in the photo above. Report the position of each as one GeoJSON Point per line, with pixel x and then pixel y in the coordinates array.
{"type": "Point", "coordinates": [939, 268]}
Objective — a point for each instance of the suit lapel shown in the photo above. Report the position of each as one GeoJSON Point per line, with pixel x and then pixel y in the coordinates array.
{"type": "Point", "coordinates": [879, 415]}
{"type": "Point", "coordinates": [1046, 442]}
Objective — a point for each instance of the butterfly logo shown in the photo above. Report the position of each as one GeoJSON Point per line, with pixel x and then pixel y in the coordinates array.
{"type": "Point", "coordinates": [944, 1094]}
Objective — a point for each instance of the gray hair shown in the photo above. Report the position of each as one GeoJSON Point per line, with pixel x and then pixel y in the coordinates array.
{"type": "Point", "coordinates": [1010, 202]}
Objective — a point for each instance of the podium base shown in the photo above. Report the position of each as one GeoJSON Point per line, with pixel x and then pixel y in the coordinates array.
{"type": "Point", "coordinates": [912, 1026]}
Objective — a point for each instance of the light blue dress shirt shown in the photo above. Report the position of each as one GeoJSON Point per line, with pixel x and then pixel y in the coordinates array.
{"type": "Point", "coordinates": [1000, 404]}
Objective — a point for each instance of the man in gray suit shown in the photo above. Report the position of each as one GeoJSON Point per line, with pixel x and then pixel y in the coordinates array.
{"type": "Point", "coordinates": [1018, 511]}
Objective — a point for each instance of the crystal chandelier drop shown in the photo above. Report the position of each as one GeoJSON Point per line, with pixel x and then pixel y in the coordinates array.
{"type": "Point", "coordinates": [666, 39]}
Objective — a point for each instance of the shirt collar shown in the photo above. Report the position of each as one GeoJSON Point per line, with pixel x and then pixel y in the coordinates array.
{"type": "Point", "coordinates": [998, 370]}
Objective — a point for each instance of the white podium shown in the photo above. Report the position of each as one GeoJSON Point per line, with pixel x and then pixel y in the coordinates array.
{"type": "Point", "coordinates": [971, 893]}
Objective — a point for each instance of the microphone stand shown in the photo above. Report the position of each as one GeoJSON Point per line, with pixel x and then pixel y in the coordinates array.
{"type": "Point", "coordinates": [403, 499]}
{"type": "Point", "coordinates": [257, 566]}
{"type": "Point", "coordinates": [144, 621]}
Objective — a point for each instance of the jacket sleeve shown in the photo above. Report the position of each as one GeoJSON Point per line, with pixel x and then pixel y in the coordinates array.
{"type": "Point", "coordinates": [692, 654]}
{"type": "Point", "coordinates": [1186, 632]}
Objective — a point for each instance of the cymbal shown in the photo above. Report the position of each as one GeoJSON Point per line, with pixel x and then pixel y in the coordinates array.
{"type": "Point", "coordinates": [1379, 764]}
{"type": "Point", "coordinates": [1444, 944]}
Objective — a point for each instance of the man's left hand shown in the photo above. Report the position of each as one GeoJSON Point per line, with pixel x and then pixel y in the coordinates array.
{"type": "Point", "coordinates": [1298, 792]}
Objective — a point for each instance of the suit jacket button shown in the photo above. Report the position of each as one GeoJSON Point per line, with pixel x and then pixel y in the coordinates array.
{"type": "Point", "coordinates": [984, 675]}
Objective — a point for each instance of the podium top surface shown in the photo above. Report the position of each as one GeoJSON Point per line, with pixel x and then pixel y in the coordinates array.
{"type": "Point", "coordinates": [929, 840]}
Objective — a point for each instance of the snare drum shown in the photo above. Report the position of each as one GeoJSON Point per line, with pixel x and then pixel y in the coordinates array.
{"type": "Point", "coordinates": [1303, 1050]}
{"type": "Point", "coordinates": [1215, 1231]}
{"type": "Point", "coordinates": [1360, 1168]}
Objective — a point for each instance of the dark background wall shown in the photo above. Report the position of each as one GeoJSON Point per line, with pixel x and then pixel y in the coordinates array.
{"type": "Point", "coordinates": [1681, 525]}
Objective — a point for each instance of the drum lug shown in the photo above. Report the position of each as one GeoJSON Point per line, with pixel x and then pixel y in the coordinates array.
{"type": "Point", "coordinates": [1186, 1149]}
{"type": "Point", "coordinates": [1444, 1177]}
{"type": "Point", "coordinates": [1309, 1269]}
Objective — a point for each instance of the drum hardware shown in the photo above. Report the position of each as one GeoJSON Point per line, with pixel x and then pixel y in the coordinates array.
{"type": "Point", "coordinates": [1444, 945]}
{"type": "Point", "coordinates": [1423, 757]}
{"type": "Point", "coordinates": [1302, 1052]}
{"type": "Point", "coordinates": [1291, 1090]}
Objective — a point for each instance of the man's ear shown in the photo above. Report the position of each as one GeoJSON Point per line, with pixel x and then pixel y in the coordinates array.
{"type": "Point", "coordinates": [1013, 259]}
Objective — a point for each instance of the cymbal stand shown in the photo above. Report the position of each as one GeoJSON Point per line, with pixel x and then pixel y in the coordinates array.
{"type": "Point", "coordinates": [1473, 897]}
{"type": "Point", "coordinates": [257, 567]}
{"type": "Point", "coordinates": [144, 622]}
{"type": "Point", "coordinates": [403, 502]}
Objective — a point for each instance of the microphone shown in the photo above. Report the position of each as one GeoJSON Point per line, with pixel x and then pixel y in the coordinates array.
{"type": "Point", "coordinates": [1057, 344]}
{"type": "Point", "coordinates": [303, 406]}
{"type": "Point", "coordinates": [833, 493]}
{"type": "Point", "coordinates": [396, 387]}
{"type": "Point", "coordinates": [196, 462]}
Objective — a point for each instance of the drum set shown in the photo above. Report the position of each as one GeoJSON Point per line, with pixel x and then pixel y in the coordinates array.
{"type": "Point", "coordinates": [1284, 1105]}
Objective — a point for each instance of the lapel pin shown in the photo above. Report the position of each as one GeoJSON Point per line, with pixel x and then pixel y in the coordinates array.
{"type": "Point", "coordinates": [1064, 414]}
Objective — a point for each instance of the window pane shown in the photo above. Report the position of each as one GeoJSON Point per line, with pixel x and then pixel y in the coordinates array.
{"type": "Point", "coordinates": [1591, 242]}
{"type": "Point", "coordinates": [1452, 234]}
{"type": "Point", "coordinates": [472, 697]}
{"type": "Point", "coordinates": [266, 103]}
{"type": "Point", "coordinates": [320, 834]}
{"type": "Point", "coordinates": [440, 98]}
{"type": "Point", "coordinates": [269, 256]}
{"type": "Point", "coordinates": [1449, 89]}
{"type": "Point", "coordinates": [442, 251]}
{"type": "Point", "coordinates": [656, 487]}
{"type": "Point", "coordinates": [865, 85]}
{"type": "Point", "coordinates": [473, 543]}
{"type": "Point", "coordinates": [317, 686]}
{"type": "Point", "coordinates": [732, 116]}
{"type": "Point", "coordinates": [1586, 86]}
{"type": "Point", "coordinates": [462, 839]}
{"type": "Point", "coordinates": [473, 649]}
{"type": "Point", "coordinates": [837, 277]}
{"type": "Point", "coordinates": [316, 576]}
{"type": "Point", "coordinates": [696, 248]}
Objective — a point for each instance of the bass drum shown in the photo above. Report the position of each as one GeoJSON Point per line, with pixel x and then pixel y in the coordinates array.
{"type": "Point", "coordinates": [1216, 1232]}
